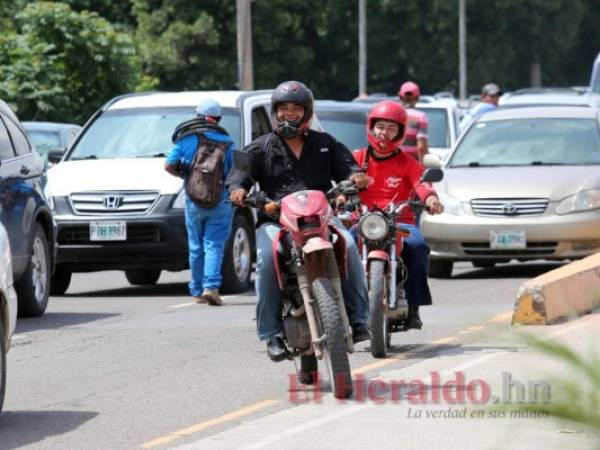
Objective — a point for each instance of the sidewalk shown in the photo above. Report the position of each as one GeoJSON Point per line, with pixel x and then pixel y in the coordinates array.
{"type": "Point", "coordinates": [493, 367]}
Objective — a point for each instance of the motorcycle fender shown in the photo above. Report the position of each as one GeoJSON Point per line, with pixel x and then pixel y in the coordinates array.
{"type": "Point", "coordinates": [277, 258]}
{"type": "Point", "coordinates": [380, 255]}
{"type": "Point", "coordinates": [315, 244]}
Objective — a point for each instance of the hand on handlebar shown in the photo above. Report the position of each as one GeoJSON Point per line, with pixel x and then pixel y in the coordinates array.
{"type": "Point", "coordinates": [361, 180]}
{"type": "Point", "coordinates": [238, 196]}
{"type": "Point", "coordinates": [433, 205]}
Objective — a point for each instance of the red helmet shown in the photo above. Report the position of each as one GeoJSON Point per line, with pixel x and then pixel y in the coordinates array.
{"type": "Point", "coordinates": [411, 89]}
{"type": "Point", "coordinates": [386, 110]}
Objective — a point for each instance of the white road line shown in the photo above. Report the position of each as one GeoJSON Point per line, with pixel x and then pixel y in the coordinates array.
{"type": "Point", "coordinates": [183, 305]}
{"type": "Point", "coordinates": [19, 336]}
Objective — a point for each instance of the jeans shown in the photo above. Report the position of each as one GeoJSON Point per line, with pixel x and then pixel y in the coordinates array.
{"type": "Point", "coordinates": [208, 231]}
{"type": "Point", "coordinates": [415, 255]}
{"type": "Point", "coordinates": [270, 300]}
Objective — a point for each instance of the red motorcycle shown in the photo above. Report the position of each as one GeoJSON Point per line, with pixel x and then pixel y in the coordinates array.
{"type": "Point", "coordinates": [381, 239]}
{"type": "Point", "coordinates": [310, 259]}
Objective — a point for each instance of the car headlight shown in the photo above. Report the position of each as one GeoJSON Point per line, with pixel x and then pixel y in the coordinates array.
{"type": "Point", "coordinates": [373, 227]}
{"type": "Point", "coordinates": [179, 202]}
{"type": "Point", "coordinates": [582, 201]}
{"type": "Point", "coordinates": [452, 205]}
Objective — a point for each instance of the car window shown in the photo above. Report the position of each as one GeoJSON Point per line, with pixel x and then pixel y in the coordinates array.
{"type": "Point", "coordinates": [6, 149]}
{"type": "Point", "coordinates": [19, 140]}
{"type": "Point", "coordinates": [348, 127]}
{"type": "Point", "coordinates": [530, 142]}
{"type": "Point", "coordinates": [439, 133]}
{"type": "Point", "coordinates": [260, 122]}
{"type": "Point", "coordinates": [70, 136]}
{"type": "Point", "coordinates": [44, 140]}
{"type": "Point", "coordinates": [140, 132]}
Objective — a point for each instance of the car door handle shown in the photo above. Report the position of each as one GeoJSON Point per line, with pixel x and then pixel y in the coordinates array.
{"type": "Point", "coordinates": [25, 170]}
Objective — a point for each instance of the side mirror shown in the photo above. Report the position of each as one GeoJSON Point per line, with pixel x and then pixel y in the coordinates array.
{"type": "Point", "coordinates": [432, 175]}
{"type": "Point", "coordinates": [431, 161]}
{"type": "Point", "coordinates": [55, 155]}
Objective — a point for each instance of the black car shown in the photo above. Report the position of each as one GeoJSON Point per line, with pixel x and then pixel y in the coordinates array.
{"type": "Point", "coordinates": [25, 214]}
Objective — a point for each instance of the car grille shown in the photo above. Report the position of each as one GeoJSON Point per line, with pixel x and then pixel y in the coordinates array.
{"type": "Point", "coordinates": [113, 203]}
{"type": "Point", "coordinates": [509, 207]}
{"type": "Point", "coordinates": [533, 249]}
{"type": "Point", "coordinates": [136, 234]}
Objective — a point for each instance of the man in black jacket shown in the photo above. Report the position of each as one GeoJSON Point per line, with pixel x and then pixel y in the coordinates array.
{"type": "Point", "coordinates": [291, 159]}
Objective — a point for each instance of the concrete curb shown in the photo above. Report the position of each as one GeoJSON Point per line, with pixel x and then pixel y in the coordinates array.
{"type": "Point", "coordinates": [569, 291]}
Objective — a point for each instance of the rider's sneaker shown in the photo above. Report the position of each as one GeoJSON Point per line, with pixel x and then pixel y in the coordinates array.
{"type": "Point", "coordinates": [276, 349]}
{"type": "Point", "coordinates": [413, 320]}
{"type": "Point", "coordinates": [211, 296]}
{"type": "Point", "coordinates": [360, 332]}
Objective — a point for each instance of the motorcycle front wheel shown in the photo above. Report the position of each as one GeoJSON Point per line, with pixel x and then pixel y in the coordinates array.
{"type": "Point", "coordinates": [378, 323]}
{"type": "Point", "coordinates": [334, 347]}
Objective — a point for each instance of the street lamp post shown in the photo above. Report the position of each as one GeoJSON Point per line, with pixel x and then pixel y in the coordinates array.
{"type": "Point", "coordinates": [362, 47]}
{"type": "Point", "coordinates": [462, 49]}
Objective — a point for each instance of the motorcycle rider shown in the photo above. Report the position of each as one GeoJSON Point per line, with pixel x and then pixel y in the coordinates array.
{"type": "Point", "coordinates": [393, 175]}
{"type": "Point", "coordinates": [416, 141]}
{"type": "Point", "coordinates": [291, 159]}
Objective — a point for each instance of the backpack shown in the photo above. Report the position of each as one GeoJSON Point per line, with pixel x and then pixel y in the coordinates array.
{"type": "Point", "coordinates": [204, 183]}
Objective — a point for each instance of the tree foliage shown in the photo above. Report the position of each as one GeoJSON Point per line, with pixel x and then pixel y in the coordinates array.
{"type": "Point", "coordinates": [59, 64]}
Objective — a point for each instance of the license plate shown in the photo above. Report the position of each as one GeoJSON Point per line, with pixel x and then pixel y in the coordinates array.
{"type": "Point", "coordinates": [508, 239]}
{"type": "Point", "coordinates": [108, 231]}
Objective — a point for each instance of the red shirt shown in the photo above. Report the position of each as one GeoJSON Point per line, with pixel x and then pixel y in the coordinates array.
{"type": "Point", "coordinates": [392, 179]}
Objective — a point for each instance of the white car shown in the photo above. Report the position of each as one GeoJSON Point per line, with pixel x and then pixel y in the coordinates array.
{"type": "Point", "coordinates": [8, 307]}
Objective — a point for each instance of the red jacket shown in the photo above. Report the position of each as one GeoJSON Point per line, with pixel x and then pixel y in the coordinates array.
{"type": "Point", "coordinates": [392, 179]}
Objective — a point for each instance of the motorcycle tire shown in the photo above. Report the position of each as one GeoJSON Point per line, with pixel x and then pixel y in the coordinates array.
{"type": "Point", "coordinates": [378, 323]}
{"type": "Point", "coordinates": [334, 348]}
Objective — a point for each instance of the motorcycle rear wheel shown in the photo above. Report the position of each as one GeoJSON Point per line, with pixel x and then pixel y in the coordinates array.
{"type": "Point", "coordinates": [378, 322]}
{"type": "Point", "coordinates": [334, 348]}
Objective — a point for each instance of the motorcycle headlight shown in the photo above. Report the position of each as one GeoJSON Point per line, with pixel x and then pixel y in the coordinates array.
{"type": "Point", "coordinates": [373, 227]}
{"type": "Point", "coordinates": [582, 201]}
{"type": "Point", "coordinates": [179, 202]}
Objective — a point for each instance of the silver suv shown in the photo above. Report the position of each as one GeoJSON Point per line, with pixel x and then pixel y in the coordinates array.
{"type": "Point", "coordinates": [115, 206]}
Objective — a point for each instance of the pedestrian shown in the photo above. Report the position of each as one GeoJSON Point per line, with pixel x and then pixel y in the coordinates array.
{"type": "Point", "coordinates": [291, 159]}
{"type": "Point", "coordinates": [416, 139]}
{"type": "Point", "coordinates": [203, 156]}
{"type": "Point", "coordinates": [490, 94]}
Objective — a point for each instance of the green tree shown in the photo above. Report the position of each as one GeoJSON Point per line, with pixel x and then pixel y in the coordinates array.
{"type": "Point", "coordinates": [61, 65]}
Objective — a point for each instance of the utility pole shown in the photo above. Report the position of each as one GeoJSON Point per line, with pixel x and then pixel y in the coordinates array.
{"type": "Point", "coordinates": [244, 45]}
{"type": "Point", "coordinates": [362, 47]}
{"type": "Point", "coordinates": [462, 49]}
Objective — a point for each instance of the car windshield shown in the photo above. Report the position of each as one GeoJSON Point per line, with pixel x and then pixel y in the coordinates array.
{"type": "Point", "coordinates": [439, 134]}
{"type": "Point", "coordinates": [348, 127]}
{"type": "Point", "coordinates": [135, 133]}
{"type": "Point", "coordinates": [44, 141]}
{"type": "Point", "coordinates": [523, 142]}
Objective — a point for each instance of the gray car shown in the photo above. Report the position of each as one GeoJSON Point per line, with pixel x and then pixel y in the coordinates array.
{"type": "Point", "coordinates": [48, 136]}
{"type": "Point", "coordinates": [522, 183]}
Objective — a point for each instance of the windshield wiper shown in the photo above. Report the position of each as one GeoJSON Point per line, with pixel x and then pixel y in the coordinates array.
{"type": "Point", "coordinates": [542, 163]}
{"type": "Point", "coordinates": [79, 158]}
{"type": "Point", "coordinates": [153, 155]}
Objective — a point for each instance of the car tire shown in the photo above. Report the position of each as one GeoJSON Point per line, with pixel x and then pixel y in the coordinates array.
{"type": "Point", "coordinates": [237, 262]}
{"type": "Point", "coordinates": [61, 279]}
{"type": "Point", "coordinates": [2, 365]}
{"type": "Point", "coordinates": [33, 288]}
{"type": "Point", "coordinates": [142, 277]}
{"type": "Point", "coordinates": [440, 268]}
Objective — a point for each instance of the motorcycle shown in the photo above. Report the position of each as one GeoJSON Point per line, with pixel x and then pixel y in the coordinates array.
{"type": "Point", "coordinates": [380, 242]}
{"type": "Point", "coordinates": [310, 259]}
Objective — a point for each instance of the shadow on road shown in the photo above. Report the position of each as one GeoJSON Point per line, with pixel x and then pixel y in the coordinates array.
{"type": "Point", "coordinates": [413, 352]}
{"type": "Point", "coordinates": [508, 271]}
{"type": "Point", "coordinates": [21, 428]}
{"type": "Point", "coordinates": [52, 320]}
{"type": "Point", "coordinates": [158, 290]}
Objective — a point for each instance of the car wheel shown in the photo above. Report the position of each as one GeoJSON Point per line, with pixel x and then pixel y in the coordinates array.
{"type": "Point", "coordinates": [440, 268]}
{"type": "Point", "coordinates": [237, 263]}
{"type": "Point", "coordinates": [61, 279]}
{"type": "Point", "coordinates": [2, 365]}
{"type": "Point", "coordinates": [34, 286]}
{"type": "Point", "coordinates": [142, 277]}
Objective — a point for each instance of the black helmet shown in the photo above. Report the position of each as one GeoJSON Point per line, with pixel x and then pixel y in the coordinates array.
{"type": "Point", "coordinates": [295, 92]}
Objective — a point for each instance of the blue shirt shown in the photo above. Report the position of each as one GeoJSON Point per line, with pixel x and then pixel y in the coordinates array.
{"type": "Point", "coordinates": [185, 149]}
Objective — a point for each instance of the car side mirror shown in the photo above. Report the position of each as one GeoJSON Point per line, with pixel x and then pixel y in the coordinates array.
{"type": "Point", "coordinates": [432, 175]}
{"type": "Point", "coordinates": [432, 161]}
{"type": "Point", "coordinates": [56, 155]}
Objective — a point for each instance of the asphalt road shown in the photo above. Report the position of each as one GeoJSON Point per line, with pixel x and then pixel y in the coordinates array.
{"type": "Point", "coordinates": [111, 366]}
